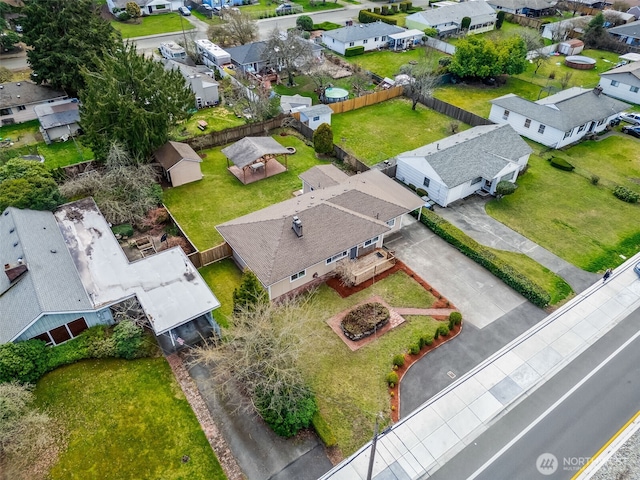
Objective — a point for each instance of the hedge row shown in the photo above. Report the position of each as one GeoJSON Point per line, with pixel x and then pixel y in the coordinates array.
{"type": "Point", "coordinates": [323, 430]}
{"type": "Point", "coordinates": [483, 256]}
{"type": "Point", "coordinates": [27, 362]}
{"type": "Point", "coordinates": [365, 16]}
{"type": "Point", "coordinates": [354, 51]}
{"type": "Point", "coordinates": [626, 195]}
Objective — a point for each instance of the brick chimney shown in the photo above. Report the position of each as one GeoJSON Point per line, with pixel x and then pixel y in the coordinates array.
{"type": "Point", "coordinates": [13, 272]}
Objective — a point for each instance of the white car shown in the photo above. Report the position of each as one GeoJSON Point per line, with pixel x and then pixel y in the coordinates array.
{"type": "Point", "coordinates": [632, 118]}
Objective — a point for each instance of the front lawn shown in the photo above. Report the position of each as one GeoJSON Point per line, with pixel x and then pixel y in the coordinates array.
{"type": "Point", "coordinates": [376, 133]}
{"type": "Point", "coordinates": [219, 196]}
{"type": "Point", "coordinates": [386, 63]}
{"type": "Point", "coordinates": [125, 419]}
{"type": "Point", "coordinates": [562, 211]}
{"type": "Point", "coordinates": [267, 8]}
{"type": "Point", "coordinates": [152, 25]}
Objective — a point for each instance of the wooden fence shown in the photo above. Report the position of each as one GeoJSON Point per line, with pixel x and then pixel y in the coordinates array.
{"type": "Point", "coordinates": [366, 100]}
{"type": "Point", "coordinates": [454, 112]}
{"type": "Point", "coordinates": [530, 22]}
{"type": "Point", "coordinates": [215, 139]}
{"type": "Point", "coordinates": [211, 255]}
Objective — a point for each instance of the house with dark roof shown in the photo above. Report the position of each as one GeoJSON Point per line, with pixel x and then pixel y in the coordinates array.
{"type": "Point", "coordinates": [628, 34]}
{"type": "Point", "coordinates": [321, 176]}
{"type": "Point", "coordinates": [529, 8]}
{"type": "Point", "coordinates": [58, 120]}
{"type": "Point", "coordinates": [18, 99]}
{"type": "Point", "coordinates": [622, 82]}
{"type": "Point", "coordinates": [448, 18]}
{"type": "Point", "coordinates": [560, 119]}
{"type": "Point", "coordinates": [180, 163]}
{"type": "Point", "coordinates": [63, 271]}
{"type": "Point", "coordinates": [371, 36]}
{"type": "Point", "coordinates": [296, 243]}
{"type": "Point", "coordinates": [251, 57]}
{"type": "Point", "coordinates": [470, 161]}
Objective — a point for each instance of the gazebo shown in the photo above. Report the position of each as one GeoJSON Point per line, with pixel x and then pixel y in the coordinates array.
{"type": "Point", "coordinates": [254, 158]}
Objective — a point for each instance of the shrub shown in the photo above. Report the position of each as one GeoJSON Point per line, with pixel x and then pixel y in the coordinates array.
{"type": "Point", "coordinates": [304, 22]}
{"type": "Point", "coordinates": [249, 294]}
{"type": "Point", "coordinates": [385, 10]}
{"type": "Point", "coordinates": [403, 7]}
{"type": "Point", "coordinates": [455, 318]}
{"type": "Point", "coordinates": [323, 430]}
{"type": "Point", "coordinates": [421, 192]}
{"type": "Point", "coordinates": [561, 164]}
{"type": "Point", "coordinates": [626, 195]}
{"type": "Point", "coordinates": [398, 360]}
{"type": "Point", "coordinates": [414, 348]}
{"type": "Point", "coordinates": [505, 188]}
{"type": "Point", "coordinates": [444, 61]}
{"type": "Point", "coordinates": [394, 8]}
{"type": "Point", "coordinates": [129, 340]}
{"type": "Point", "coordinates": [412, 187]}
{"type": "Point", "coordinates": [465, 23]}
{"type": "Point", "coordinates": [377, 10]}
{"type": "Point", "coordinates": [392, 379]}
{"type": "Point", "coordinates": [500, 19]}
{"type": "Point", "coordinates": [364, 320]}
{"type": "Point", "coordinates": [595, 179]}
{"type": "Point", "coordinates": [436, 334]}
{"type": "Point", "coordinates": [124, 230]}
{"type": "Point", "coordinates": [123, 16]}
{"type": "Point", "coordinates": [24, 362]}
{"type": "Point", "coordinates": [288, 418]}
{"type": "Point", "coordinates": [426, 340]}
{"type": "Point", "coordinates": [354, 51]}
{"type": "Point", "coordinates": [443, 330]}
{"type": "Point", "coordinates": [323, 139]}
{"type": "Point", "coordinates": [365, 16]}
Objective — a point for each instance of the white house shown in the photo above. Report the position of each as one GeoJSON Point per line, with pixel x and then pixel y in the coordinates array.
{"type": "Point", "coordinates": [447, 19]}
{"type": "Point", "coordinates": [529, 8]}
{"type": "Point", "coordinates": [200, 80]}
{"type": "Point", "coordinates": [18, 99]}
{"type": "Point", "coordinates": [457, 166]}
{"type": "Point", "coordinates": [622, 82]}
{"type": "Point", "coordinates": [371, 36]}
{"type": "Point", "coordinates": [315, 116]}
{"type": "Point", "coordinates": [147, 7]}
{"type": "Point", "coordinates": [560, 119]}
{"type": "Point", "coordinates": [58, 119]}
{"type": "Point", "coordinates": [559, 31]}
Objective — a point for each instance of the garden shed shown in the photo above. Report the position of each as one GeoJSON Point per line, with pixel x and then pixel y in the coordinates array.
{"type": "Point", "coordinates": [180, 163]}
{"type": "Point", "coordinates": [255, 158]}
{"type": "Point", "coordinates": [571, 47]}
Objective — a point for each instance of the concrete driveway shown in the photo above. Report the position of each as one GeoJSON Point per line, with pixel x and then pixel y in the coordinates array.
{"type": "Point", "coordinates": [481, 297]}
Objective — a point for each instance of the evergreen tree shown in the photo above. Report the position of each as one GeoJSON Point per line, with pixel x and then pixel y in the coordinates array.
{"type": "Point", "coordinates": [249, 294]}
{"type": "Point", "coordinates": [26, 184]}
{"type": "Point", "coordinates": [323, 139]}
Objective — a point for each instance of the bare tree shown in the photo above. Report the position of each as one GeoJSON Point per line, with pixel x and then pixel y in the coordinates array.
{"type": "Point", "coordinates": [321, 78]}
{"type": "Point", "coordinates": [534, 44]}
{"type": "Point", "coordinates": [423, 78]}
{"type": "Point", "coordinates": [130, 309]}
{"type": "Point", "coordinates": [254, 102]}
{"type": "Point", "coordinates": [561, 30]}
{"type": "Point", "coordinates": [565, 79]}
{"type": "Point", "coordinates": [620, 6]}
{"type": "Point", "coordinates": [360, 81]}
{"type": "Point", "coordinates": [288, 51]}
{"type": "Point", "coordinates": [239, 29]}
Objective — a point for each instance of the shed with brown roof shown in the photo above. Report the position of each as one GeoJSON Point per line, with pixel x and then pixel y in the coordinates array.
{"type": "Point", "coordinates": [180, 163]}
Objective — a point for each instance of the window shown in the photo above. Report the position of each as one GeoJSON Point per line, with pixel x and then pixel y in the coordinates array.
{"type": "Point", "coordinates": [315, 119]}
{"type": "Point", "coordinates": [601, 121]}
{"type": "Point", "coordinates": [567, 134]}
{"type": "Point", "coordinates": [541, 129]}
{"type": "Point", "coordinates": [370, 241]}
{"type": "Point", "coordinates": [44, 337]}
{"type": "Point", "coordinates": [351, 44]}
{"type": "Point", "coordinates": [476, 180]}
{"type": "Point", "coordinates": [508, 177]}
{"type": "Point", "coordinates": [391, 223]}
{"type": "Point", "coordinates": [505, 115]}
{"type": "Point", "coordinates": [582, 127]}
{"type": "Point", "coordinates": [426, 182]}
{"type": "Point", "coordinates": [383, 38]}
{"type": "Point", "coordinates": [365, 41]}
{"type": "Point", "coordinates": [63, 333]}
{"type": "Point", "coordinates": [337, 257]}
{"type": "Point", "coordinates": [615, 83]}
{"type": "Point", "coordinates": [298, 275]}
{"type": "Point", "coordinates": [375, 39]}
{"type": "Point", "coordinates": [634, 89]}
{"type": "Point", "coordinates": [5, 111]}
{"type": "Point", "coordinates": [527, 123]}
{"type": "Point", "coordinates": [21, 108]}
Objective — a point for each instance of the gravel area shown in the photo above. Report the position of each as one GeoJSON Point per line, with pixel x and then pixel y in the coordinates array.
{"type": "Point", "coordinates": [624, 464]}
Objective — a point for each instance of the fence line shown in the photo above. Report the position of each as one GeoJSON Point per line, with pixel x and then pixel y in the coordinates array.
{"type": "Point", "coordinates": [366, 100]}
{"type": "Point", "coordinates": [454, 112]}
{"type": "Point", "coordinates": [215, 139]}
{"type": "Point", "coordinates": [440, 45]}
{"type": "Point", "coordinates": [526, 21]}
{"type": "Point", "coordinates": [213, 254]}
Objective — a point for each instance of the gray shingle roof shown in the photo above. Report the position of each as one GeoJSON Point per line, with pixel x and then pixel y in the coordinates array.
{"type": "Point", "coordinates": [479, 12]}
{"type": "Point", "coordinates": [520, 4]}
{"type": "Point", "coordinates": [480, 151]}
{"type": "Point", "coordinates": [323, 176]}
{"type": "Point", "coordinates": [356, 33]}
{"type": "Point", "coordinates": [248, 53]}
{"type": "Point", "coordinates": [249, 149]}
{"type": "Point", "coordinates": [564, 110]}
{"type": "Point", "coordinates": [51, 284]}
{"type": "Point", "coordinates": [56, 114]}
{"type": "Point", "coordinates": [628, 30]}
{"type": "Point", "coordinates": [629, 74]}
{"type": "Point", "coordinates": [172, 153]}
{"type": "Point", "coordinates": [27, 93]}
{"type": "Point", "coordinates": [320, 109]}
{"type": "Point", "coordinates": [333, 219]}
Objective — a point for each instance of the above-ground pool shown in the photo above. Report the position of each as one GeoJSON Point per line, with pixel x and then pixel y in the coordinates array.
{"type": "Point", "coordinates": [334, 94]}
{"type": "Point", "coordinates": [580, 62]}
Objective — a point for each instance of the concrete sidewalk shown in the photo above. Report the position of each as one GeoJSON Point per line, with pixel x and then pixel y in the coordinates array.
{"type": "Point", "coordinates": [422, 442]}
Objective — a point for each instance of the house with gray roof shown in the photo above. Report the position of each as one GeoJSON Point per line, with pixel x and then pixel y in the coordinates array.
{"type": "Point", "coordinates": [296, 243]}
{"type": "Point", "coordinates": [294, 103]}
{"type": "Point", "coordinates": [251, 57]}
{"type": "Point", "coordinates": [18, 99]}
{"type": "Point", "coordinates": [58, 120]}
{"type": "Point", "coordinates": [316, 115]}
{"type": "Point", "coordinates": [558, 120]}
{"type": "Point", "coordinates": [371, 36]}
{"type": "Point", "coordinates": [530, 8]}
{"type": "Point", "coordinates": [628, 34]}
{"type": "Point", "coordinates": [448, 18]}
{"type": "Point", "coordinates": [321, 176]}
{"type": "Point", "coordinates": [474, 160]}
{"type": "Point", "coordinates": [63, 271]}
{"type": "Point", "coordinates": [622, 82]}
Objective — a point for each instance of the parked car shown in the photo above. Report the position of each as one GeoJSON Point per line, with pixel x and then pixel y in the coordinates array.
{"type": "Point", "coordinates": [184, 11]}
{"type": "Point", "coordinates": [284, 8]}
{"type": "Point", "coordinates": [632, 118]}
{"type": "Point", "coordinates": [207, 7]}
{"type": "Point", "coordinates": [216, 10]}
{"type": "Point", "coordinates": [635, 131]}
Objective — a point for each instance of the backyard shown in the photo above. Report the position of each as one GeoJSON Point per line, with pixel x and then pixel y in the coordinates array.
{"type": "Point", "coordinates": [565, 213]}
{"type": "Point", "coordinates": [219, 118]}
{"type": "Point", "coordinates": [386, 63]}
{"type": "Point", "coordinates": [378, 132]}
{"type": "Point", "coordinates": [125, 419]}
{"type": "Point", "coordinates": [219, 196]}
{"type": "Point", "coordinates": [152, 25]}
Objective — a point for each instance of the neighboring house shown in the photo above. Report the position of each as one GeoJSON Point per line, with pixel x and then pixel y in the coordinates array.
{"type": "Point", "coordinates": [635, 11]}
{"type": "Point", "coordinates": [628, 34]}
{"type": "Point", "coordinates": [321, 176]}
{"type": "Point", "coordinates": [64, 270]}
{"type": "Point", "coordinates": [298, 242]}
{"type": "Point", "coordinates": [294, 103]}
{"type": "Point", "coordinates": [528, 8]}
{"type": "Point", "coordinates": [180, 163]}
{"type": "Point", "coordinates": [560, 119]}
{"type": "Point", "coordinates": [18, 99]}
{"type": "Point", "coordinates": [58, 120]}
{"type": "Point", "coordinates": [462, 164]}
{"type": "Point", "coordinates": [147, 7]}
{"type": "Point", "coordinates": [448, 19]}
{"type": "Point", "coordinates": [201, 82]}
{"type": "Point", "coordinates": [622, 82]}
{"type": "Point", "coordinates": [371, 36]}
{"type": "Point", "coordinates": [560, 31]}
{"type": "Point", "coordinates": [315, 116]}
{"type": "Point", "coordinates": [212, 55]}
{"type": "Point", "coordinates": [406, 39]}
{"type": "Point", "coordinates": [251, 57]}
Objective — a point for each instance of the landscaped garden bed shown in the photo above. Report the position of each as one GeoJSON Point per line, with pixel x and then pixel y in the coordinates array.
{"type": "Point", "coordinates": [364, 320]}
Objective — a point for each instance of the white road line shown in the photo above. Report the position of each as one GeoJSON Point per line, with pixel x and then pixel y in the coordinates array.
{"type": "Point", "coordinates": [553, 407]}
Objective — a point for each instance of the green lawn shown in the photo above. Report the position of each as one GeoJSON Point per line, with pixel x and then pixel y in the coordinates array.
{"type": "Point", "coordinates": [562, 211]}
{"type": "Point", "coordinates": [218, 118]}
{"type": "Point", "coordinates": [267, 8]}
{"type": "Point", "coordinates": [379, 132]}
{"type": "Point", "coordinates": [222, 277]}
{"type": "Point", "coordinates": [350, 386]}
{"type": "Point", "coordinates": [386, 63]}
{"type": "Point", "coordinates": [125, 419]}
{"type": "Point", "coordinates": [219, 196]}
{"type": "Point", "coordinates": [152, 25]}
{"type": "Point", "coordinates": [475, 97]}
{"type": "Point", "coordinates": [507, 30]}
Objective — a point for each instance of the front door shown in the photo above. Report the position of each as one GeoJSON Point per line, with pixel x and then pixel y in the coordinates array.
{"type": "Point", "coordinates": [353, 253]}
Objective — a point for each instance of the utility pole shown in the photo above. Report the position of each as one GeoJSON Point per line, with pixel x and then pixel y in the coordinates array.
{"type": "Point", "coordinates": [373, 450]}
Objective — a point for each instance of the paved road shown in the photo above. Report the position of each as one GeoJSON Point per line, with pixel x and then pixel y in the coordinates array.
{"type": "Point", "coordinates": [583, 420]}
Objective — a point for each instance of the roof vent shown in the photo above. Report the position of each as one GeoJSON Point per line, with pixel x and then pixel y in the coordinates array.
{"type": "Point", "coordinates": [597, 90]}
{"type": "Point", "coordinates": [17, 96]}
{"type": "Point", "coordinates": [297, 226]}
{"type": "Point", "coordinates": [18, 84]}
